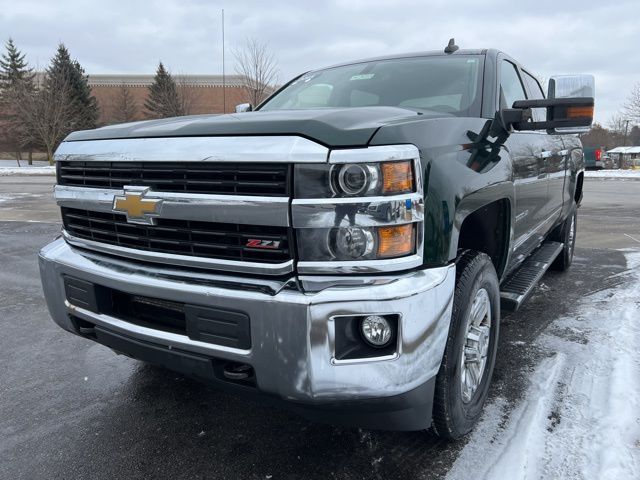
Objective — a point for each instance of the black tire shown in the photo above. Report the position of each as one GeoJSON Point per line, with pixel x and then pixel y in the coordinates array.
{"type": "Point", "coordinates": [567, 235]}
{"type": "Point", "coordinates": [454, 416]}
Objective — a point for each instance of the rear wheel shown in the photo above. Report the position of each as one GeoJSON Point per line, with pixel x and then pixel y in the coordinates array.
{"type": "Point", "coordinates": [567, 235]}
{"type": "Point", "coordinates": [463, 380]}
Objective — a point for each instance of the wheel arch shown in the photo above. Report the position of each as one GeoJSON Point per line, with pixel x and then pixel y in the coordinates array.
{"type": "Point", "coordinates": [577, 196]}
{"type": "Point", "coordinates": [483, 222]}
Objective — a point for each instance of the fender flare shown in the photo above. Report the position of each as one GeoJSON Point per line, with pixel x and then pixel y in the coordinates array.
{"type": "Point", "coordinates": [478, 199]}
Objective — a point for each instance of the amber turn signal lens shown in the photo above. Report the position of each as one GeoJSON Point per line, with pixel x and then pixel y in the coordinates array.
{"type": "Point", "coordinates": [396, 241]}
{"type": "Point", "coordinates": [580, 112]}
{"type": "Point", "coordinates": [397, 177]}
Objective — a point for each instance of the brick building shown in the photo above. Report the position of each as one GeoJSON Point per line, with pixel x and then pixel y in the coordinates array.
{"type": "Point", "coordinates": [203, 93]}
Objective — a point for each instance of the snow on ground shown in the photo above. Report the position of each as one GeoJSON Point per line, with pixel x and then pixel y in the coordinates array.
{"type": "Point", "coordinates": [14, 196]}
{"type": "Point", "coordinates": [612, 173]}
{"type": "Point", "coordinates": [580, 418]}
{"type": "Point", "coordinates": [6, 171]}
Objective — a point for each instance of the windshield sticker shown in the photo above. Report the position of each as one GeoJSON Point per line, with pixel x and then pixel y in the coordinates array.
{"type": "Point", "coordinates": [306, 78]}
{"type": "Point", "coordinates": [365, 76]}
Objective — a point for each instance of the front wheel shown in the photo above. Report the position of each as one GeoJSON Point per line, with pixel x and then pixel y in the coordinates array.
{"type": "Point", "coordinates": [462, 383]}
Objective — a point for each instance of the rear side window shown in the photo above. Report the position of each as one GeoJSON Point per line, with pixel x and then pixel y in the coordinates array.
{"type": "Point", "coordinates": [535, 90]}
{"type": "Point", "coordinates": [511, 88]}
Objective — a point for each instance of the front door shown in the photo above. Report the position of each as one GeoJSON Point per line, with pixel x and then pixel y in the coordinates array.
{"type": "Point", "coordinates": [530, 171]}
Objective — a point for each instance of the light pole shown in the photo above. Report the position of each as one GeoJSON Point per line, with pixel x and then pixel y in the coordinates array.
{"type": "Point", "coordinates": [224, 80]}
{"type": "Point", "coordinates": [626, 132]}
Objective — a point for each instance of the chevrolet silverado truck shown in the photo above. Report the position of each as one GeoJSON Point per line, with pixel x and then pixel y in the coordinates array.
{"type": "Point", "coordinates": [345, 249]}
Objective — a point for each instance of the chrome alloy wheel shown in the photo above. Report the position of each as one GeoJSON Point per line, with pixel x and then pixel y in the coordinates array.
{"type": "Point", "coordinates": [476, 347]}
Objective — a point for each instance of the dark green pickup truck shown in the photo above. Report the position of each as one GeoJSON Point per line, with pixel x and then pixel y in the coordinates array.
{"type": "Point", "coordinates": [345, 249]}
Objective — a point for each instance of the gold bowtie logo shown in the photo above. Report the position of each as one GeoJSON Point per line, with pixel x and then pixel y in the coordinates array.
{"type": "Point", "coordinates": [137, 208]}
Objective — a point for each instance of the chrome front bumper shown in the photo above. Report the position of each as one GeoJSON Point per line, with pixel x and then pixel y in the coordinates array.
{"type": "Point", "coordinates": [292, 327]}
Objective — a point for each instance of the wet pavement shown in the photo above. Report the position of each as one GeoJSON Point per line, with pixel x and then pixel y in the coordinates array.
{"type": "Point", "coordinates": [72, 409]}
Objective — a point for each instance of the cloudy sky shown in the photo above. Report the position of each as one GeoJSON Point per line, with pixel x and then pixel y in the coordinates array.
{"type": "Point", "coordinates": [549, 37]}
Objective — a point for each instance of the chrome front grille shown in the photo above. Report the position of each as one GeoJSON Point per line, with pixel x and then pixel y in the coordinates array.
{"type": "Point", "coordinates": [233, 178]}
{"type": "Point", "coordinates": [182, 237]}
{"type": "Point", "coordinates": [220, 203]}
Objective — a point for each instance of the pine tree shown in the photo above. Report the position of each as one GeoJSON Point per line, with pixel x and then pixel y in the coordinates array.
{"type": "Point", "coordinates": [16, 81]}
{"type": "Point", "coordinates": [64, 69]}
{"type": "Point", "coordinates": [13, 67]}
{"type": "Point", "coordinates": [164, 99]}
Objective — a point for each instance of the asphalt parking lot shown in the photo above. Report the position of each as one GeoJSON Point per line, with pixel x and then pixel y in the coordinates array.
{"type": "Point", "coordinates": [73, 409]}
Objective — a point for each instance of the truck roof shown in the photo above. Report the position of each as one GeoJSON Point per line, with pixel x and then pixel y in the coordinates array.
{"type": "Point", "coordinates": [429, 53]}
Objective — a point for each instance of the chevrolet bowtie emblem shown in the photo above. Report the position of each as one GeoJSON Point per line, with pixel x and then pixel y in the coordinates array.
{"type": "Point", "coordinates": [137, 208]}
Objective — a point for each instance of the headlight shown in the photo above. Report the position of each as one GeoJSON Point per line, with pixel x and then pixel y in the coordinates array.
{"type": "Point", "coordinates": [350, 243]}
{"type": "Point", "coordinates": [362, 211]}
{"type": "Point", "coordinates": [353, 179]}
{"type": "Point", "coordinates": [356, 243]}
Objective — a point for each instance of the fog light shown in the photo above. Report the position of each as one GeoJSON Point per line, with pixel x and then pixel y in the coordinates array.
{"type": "Point", "coordinates": [376, 330]}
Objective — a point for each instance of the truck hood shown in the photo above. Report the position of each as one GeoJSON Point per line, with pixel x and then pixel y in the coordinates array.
{"type": "Point", "coordinates": [335, 127]}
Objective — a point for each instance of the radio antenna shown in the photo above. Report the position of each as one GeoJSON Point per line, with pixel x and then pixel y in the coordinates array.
{"type": "Point", "coordinates": [452, 47]}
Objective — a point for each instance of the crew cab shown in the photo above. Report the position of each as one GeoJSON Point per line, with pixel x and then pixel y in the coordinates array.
{"type": "Point", "coordinates": [345, 249]}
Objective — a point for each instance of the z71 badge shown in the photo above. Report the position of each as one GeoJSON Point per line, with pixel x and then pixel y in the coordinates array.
{"type": "Point", "coordinates": [257, 243]}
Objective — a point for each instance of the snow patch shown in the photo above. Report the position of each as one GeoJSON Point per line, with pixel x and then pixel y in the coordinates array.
{"type": "Point", "coordinates": [6, 171]}
{"type": "Point", "coordinates": [14, 196]}
{"type": "Point", "coordinates": [612, 174]}
{"type": "Point", "coordinates": [581, 414]}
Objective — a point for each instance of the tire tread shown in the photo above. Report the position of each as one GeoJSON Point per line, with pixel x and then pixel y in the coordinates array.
{"type": "Point", "coordinates": [442, 423]}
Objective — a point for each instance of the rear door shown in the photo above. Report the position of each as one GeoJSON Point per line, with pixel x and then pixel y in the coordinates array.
{"type": "Point", "coordinates": [529, 168]}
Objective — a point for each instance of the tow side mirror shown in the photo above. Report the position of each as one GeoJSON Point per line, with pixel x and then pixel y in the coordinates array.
{"type": "Point", "coordinates": [244, 107]}
{"type": "Point", "coordinates": [569, 107]}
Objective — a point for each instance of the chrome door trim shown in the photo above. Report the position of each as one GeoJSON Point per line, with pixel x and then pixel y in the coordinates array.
{"type": "Point", "coordinates": [245, 209]}
{"type": "Point", "coordinates": [182, 260]}
{"type": "Point", "coordinates": [274, 149]}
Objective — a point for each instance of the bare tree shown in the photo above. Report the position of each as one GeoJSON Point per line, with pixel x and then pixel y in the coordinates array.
{"type": "Point", "coordinates": [47, 115]}
{"type": "Point", "coordinates": [188, 94]}
{"type": "Point", "coordinates": [258, 65]}
{"type": "Point", "coordinates": [632, 105]}
{"type": "Point", "coordinates": [124, 107]}
{"type": "Point", "coordinates": [598, 136]}
{"type": "Point", "coordinates": [618, 124]}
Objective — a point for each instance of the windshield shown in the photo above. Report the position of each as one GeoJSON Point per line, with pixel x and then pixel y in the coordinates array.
{"type": "Point", "coordinates": [445, 84]}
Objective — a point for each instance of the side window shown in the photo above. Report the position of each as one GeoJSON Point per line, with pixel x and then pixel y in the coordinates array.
{"type": "Point", "coordinates": [511, 88]}
{"type": "Point", "coordinates": [535, 90]}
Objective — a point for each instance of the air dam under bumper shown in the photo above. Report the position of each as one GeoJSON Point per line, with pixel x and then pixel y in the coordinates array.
{"type": "Point", "coordinates": [292, 334]}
